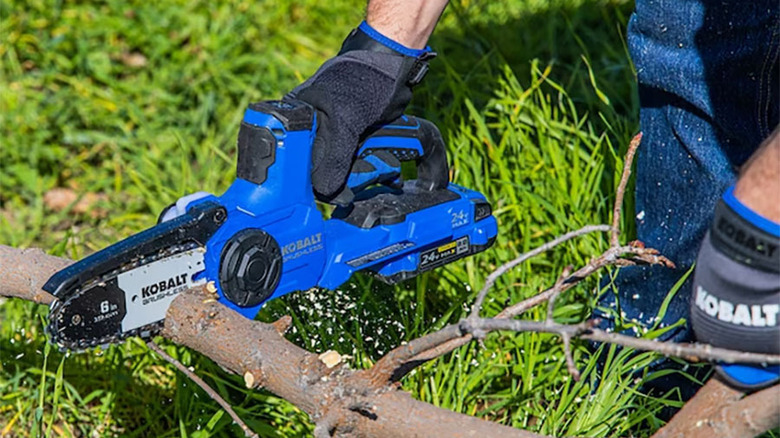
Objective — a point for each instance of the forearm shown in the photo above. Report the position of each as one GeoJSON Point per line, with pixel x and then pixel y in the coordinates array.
{"type": "Point", "coordinates": [758, 186]}
{"type": "Point", "coordinates": [409, 22]}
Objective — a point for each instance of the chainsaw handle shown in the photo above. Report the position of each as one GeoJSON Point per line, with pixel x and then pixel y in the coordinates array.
{"type": "Point", "coordinates": [412, 138]}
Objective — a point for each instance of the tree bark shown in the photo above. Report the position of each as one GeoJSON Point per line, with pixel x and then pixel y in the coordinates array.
{"type": "Point", "coordinates": [24, 271]}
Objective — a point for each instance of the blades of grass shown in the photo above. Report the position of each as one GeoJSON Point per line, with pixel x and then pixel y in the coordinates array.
{"type": "Point", "coordinates": [56, 398]}
{"type": "Point", "coordinates": [39, 411]}
{"type": "Point", "coordinates": [669, 296]}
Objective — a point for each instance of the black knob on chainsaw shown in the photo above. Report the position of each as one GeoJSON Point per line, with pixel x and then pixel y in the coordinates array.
{"type": "Point", "coordinates": [250, 267]}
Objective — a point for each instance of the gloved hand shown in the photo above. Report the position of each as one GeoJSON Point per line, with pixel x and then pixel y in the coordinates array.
{"type": "Point", "coordinates": [736, 290]}
{"type": "Point", "coordinates": [369, 83]}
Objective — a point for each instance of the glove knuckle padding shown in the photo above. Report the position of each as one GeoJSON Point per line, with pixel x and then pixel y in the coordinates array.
{"type": "Point", "coordinates": [734, 305]}
{"type": "Point", "coordinates": [350, 92]}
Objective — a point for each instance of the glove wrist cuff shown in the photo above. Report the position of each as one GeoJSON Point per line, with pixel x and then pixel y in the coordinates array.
{"type": "Point", "coordinates": [365, 37]}
{"type": "Point", "coordinates": [377, 37]}
{"type": "Point", "coordinates": [745, 236]}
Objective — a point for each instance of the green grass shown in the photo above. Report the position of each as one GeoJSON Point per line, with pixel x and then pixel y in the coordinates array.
{"type": "Point", "coordinates": [535, 99]}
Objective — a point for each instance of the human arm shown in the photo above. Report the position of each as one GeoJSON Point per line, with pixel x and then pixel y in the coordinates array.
{"type": "Point", "coordinates": [409, 22]}
{"type": "Point", "coordinates": [758, 186]}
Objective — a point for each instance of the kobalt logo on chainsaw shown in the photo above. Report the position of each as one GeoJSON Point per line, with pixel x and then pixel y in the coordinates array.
{"type": "Point", "coordinates": [150, 289]}
{"type": "Point", "coordinates": [301, 247]}
{"type": "Point", "coordinates": [159, 290]}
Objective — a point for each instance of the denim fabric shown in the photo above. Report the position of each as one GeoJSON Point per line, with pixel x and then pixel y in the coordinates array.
{"type": "Point", "coordinates": [709, 89]}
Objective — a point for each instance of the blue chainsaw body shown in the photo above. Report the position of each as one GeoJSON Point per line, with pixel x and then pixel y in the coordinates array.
{"type": "Point", "coordinates": [266, 237]}
{"type": "Point", "coordinates": [324, 253]}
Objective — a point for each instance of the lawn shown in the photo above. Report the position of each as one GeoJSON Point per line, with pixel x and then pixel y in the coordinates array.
{"type": "Point", "coordinates": [131, 104]}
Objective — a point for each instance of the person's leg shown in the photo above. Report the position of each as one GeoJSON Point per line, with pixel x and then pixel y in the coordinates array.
{"type": "Point", "coordinates": [708, 88]}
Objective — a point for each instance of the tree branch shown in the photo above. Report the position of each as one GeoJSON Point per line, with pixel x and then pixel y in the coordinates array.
{"type": "Point", "coordinates": [693, 352]}
{"type": "Point", "coordinates": [718, 410]}
{"type": "Point", "coordinates": [406, 358]}
{"type": "Point", "coordinates": [256, 349]}
{"type": "Point", "coordinates": [24, 271]}
{"type": "Point", "coordinates": [628, 160]}
{"type": "Point", "coordinates": [243, 346]}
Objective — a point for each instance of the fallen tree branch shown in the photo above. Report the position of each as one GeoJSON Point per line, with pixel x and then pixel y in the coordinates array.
{"type": "Point", "coordinates": [349, 400]}
{"type": "Point", "coordinates": [470, 328]}
{"type": "Point", "coordinates": [24, 271]}
{"type": "Point", "coordinates": [412, 354]}
{"type": "Point", "coordinates": [266, 359]}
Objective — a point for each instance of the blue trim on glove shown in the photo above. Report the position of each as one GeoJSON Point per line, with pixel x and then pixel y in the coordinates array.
{"type": "Point", "coordinates": [383, 173]}
{"type": "Point", "coordinates": [751, 216]}
{"type": "Point", "coordinates": [387, 42]}
{"type": "Point", "coordinates": [750, 376]}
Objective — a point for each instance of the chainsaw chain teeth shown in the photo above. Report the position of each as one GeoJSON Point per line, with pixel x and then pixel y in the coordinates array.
{"type": "Point", "coordinates": [147, 331]}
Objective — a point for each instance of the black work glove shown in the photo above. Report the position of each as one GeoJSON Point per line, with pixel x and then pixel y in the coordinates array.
{"type": "Point", "coordinates": [736, 290]}
{"type": "Point", "coordinates": [369, 83]}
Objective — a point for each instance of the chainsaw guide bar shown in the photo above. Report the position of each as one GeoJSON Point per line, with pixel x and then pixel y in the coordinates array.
{"type": "Point", "coordinates": [130, 301]}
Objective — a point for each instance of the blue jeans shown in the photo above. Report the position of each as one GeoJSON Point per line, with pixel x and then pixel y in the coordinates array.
{"type": "Point", "coordinates": [709, 90]}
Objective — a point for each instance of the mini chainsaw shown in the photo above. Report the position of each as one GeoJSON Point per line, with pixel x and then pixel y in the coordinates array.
{"type": "Point", "coordinates": [265, 237]}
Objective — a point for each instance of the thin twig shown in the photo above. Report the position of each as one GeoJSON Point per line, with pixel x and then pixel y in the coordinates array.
{"type": "Point", "coordinates": [586, 330]}
{"type": "Point", "coordinates": [386, 368]}
{"type": "Point", "coordinates": [211, 393]}
{"type": "Point", "coordinates": [488, 325]}
{"type": "Point", "coordinates": [635, 252]}
{"type": "Point", "coordinates": [690, 351]}
{"type": "Point", "coordinates": [621, 190]}
{"type": "Point", "coordinates": [491, 280]}
{"type": "Point", "coordinates": [440, 350]}
{"type": "Point", "coordinates": [557, 291]}
{"type": "Point", "coordinates": [693, 352]}
{"type": "Point", "coordinates": [575, 373]}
